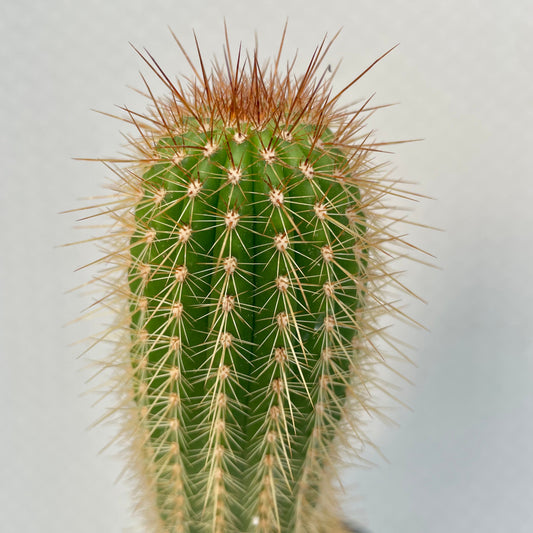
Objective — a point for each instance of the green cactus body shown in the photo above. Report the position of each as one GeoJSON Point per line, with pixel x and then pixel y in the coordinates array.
{"type": "Point", "coordinates": [254, 250]}
{"type": "Point", "coordinates": [245, 279]}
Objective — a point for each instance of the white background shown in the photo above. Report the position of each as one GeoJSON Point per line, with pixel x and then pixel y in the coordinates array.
{"type": "Point", "coordinates": [461, 460]}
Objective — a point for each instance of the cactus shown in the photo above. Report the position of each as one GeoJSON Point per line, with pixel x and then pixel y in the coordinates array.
{"type": "Point", "coordinates": [246, 263]}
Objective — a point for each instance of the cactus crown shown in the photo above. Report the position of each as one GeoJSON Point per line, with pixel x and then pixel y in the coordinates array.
{"type": "Point", "coordinates": [247, 260]}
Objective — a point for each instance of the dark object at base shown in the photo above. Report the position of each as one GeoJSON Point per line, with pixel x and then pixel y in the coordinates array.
{"type": "Point", "coordinates": [355, 529]}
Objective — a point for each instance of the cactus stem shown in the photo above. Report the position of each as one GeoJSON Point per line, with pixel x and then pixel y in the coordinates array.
{"type": "Point", "coordinates": [249, 261]}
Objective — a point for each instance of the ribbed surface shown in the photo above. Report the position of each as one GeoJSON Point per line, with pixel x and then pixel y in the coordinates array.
{"type": "Point", "coordinates": [244, 296]}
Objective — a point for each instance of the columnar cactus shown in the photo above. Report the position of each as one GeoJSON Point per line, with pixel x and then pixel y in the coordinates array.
{"type": "Point", "coordinates": [248, 250]}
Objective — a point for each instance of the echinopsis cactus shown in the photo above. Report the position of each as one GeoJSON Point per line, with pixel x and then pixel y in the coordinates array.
{"type": "Point", "coordinates": [249, 249]}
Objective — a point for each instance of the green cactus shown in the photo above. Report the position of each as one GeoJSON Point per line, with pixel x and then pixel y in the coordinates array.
{"type": "Point", "coordinates": [250, 253]}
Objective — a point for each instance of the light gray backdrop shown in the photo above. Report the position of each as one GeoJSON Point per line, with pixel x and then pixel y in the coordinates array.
{"type": "Point", "coordinates": [460, 461]}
